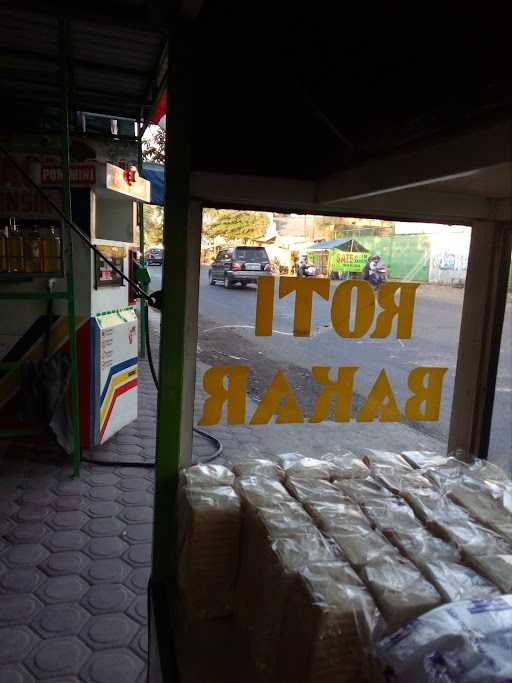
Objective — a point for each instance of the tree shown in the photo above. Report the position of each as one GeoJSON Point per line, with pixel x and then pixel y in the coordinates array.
{"type": "Point", "coordinates": [153, 224]}
{"type": "Point", "coordinates": [153, 145]}
{"type": "Point", "coordinates": [233, 225]}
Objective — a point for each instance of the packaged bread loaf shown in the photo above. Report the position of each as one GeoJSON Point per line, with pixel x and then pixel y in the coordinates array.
{"type": "Point", "coordinates": [420, 546]}
{"type": "Point", "coordinates": [313, 490]}
{"type": "Point", "coordinates": [478, 502]}
{"type": "Point", "coordinates": [445, 475]}
{"type": "Point", "coordinates": [208, 541]}
{"type": "Point", "coordinates": [362, 490]}
{"type": "Point", "coordinates": [323, 635]}
{"type": "Point", "coordinates": [372, 456]}
{"type": "Point", "coordinates": [282, 558]}
{"type": "Point", "coordinates": [422, 459]}
{"type": "Point", "coordinates": [285, 460]}
{"type": "Point", "coordinates": [309, 468]}
{"type": "Point", "coordinates": [328, 516]}
{"type": "Point", "coordinates": [399, 589]}
{"type": "Point", "coordinates": [430, 505]}
{"type": "Point", "coordinates": [206, 476]}
{"type": "Point", "coordinates": [496, 568]}
{"type": "Point", "coordinates": [259, 468]}
{"type": "Point", "coordinates": [261, 491]}
{"type": "Point", "coordinates": [471, 538]}
{"type": "Point", "coordinates": [391, 515]}
{"type": "Point", "coordinates": [455, 581]}
{"type": "Point", "coordinates": [261, 526]}
{"type": "Point", "coordinates": [346, 465]}
{"type": "Point", "coordinates": [399, 480]}
{"type": "Point", "coordinates": [358, 542]}
{"type": "Point", "coordinates": [453, 523]}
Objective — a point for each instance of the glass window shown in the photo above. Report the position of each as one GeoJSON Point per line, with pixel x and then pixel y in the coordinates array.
{"type": "Point", "coordinates": [430, 260]}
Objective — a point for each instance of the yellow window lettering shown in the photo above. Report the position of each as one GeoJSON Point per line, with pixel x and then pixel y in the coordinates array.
{"type": "Point", "coordinates": [339, 390]}
{"type": "Point", "coordinates": [380, 402]}
{"type": "Point", "coordinates": [364, 310]}
{"type": "Point", "coordinates": [232, 392]}
{"type": "Point", "coordinates": [279, 400]}
{"type": "Point", "coordinates": [427, 386]}
{"type": "Point", "coordinates": [404, 310]}
{"type": "Point", "coordinates": [264, 307]}
{"type": "Point", "coordinates": [304, 289]}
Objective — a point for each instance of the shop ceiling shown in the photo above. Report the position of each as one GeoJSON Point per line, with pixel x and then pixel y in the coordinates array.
{"type": "Point", "coordinates": [375, 110]}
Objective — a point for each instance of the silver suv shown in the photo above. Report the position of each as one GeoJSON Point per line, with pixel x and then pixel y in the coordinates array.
{"type": "Point", "coordinates": [239, 264]}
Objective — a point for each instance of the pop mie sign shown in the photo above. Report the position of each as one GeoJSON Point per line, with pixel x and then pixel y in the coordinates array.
{"type": "Point", "coordinates": [373, 315]}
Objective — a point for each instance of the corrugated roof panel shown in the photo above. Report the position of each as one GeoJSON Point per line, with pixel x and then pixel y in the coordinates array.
{"type": "Point", "coordinates": [111, 65]}
{"type": "Point", "coordinates": [122, 47]}
{"type": "Point", "coordinates": [88, 78]}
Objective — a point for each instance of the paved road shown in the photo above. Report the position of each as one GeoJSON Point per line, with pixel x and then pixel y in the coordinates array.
{"type": "Point", "coordinates": [434, 343]}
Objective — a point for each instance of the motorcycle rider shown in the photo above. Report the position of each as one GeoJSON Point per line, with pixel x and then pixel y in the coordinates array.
{"type": "Point", "coordinates": [377, 271]}
{"type": "Point", "coordinates": [302, 268]}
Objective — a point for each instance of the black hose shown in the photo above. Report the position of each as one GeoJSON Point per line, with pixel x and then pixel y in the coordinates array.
{"type": "Point", "coordinates": [219, 448]}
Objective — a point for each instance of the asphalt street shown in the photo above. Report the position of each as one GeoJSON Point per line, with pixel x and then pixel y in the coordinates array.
{"type": "Point", "coordinates": [230, 313]}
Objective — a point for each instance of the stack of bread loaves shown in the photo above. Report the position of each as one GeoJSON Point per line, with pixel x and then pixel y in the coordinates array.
{"type": "Point", "coordinates": [315, 558]}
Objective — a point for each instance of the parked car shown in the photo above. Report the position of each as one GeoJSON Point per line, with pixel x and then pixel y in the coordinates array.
{"type": "Point", "coordinates": [154, 256]}
{"type": "Point", "coordinates": [239, 264]}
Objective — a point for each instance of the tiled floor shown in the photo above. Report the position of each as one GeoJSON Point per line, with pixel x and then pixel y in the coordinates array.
{"type": "Point", "coordinates": [74, 566]}
{"type": "Point", "coordinates": [75, 559]}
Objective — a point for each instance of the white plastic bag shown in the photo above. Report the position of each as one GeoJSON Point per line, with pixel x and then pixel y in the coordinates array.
{"type": "Point", "coordinates": [463, 642]}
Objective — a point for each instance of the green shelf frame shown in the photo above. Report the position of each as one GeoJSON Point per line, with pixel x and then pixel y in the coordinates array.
{"type": "Point", "coordinates": [69, 293]}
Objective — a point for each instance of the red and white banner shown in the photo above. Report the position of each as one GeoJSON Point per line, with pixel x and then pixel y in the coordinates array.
{"type": "Point", "coordinates": [160, 113]}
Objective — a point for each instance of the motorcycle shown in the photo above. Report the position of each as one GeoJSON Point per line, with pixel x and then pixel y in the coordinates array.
{"type": "Point", "coordinates": [306, 271]}
{"type": "Point", "coordinates": [378, 277]}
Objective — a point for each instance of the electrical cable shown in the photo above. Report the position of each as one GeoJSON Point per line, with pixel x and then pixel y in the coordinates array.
{"type": "Point", "coordinates": [144, 295]}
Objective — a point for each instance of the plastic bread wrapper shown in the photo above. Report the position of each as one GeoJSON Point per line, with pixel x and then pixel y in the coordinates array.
{"type": "Point", "coordinates": [261, 527]}
{"type": "Point", "coordinates": [449, 474]}
{"type": "Point", "coordinates": [281, 559]}
{"type": "Point", "coordinates": [373, 456]}
{"type": "Point", "coordinates": [285, 460]}
{"type": "Point", "coordinates": [259, 467]}
{"type": "Point", "coordinates": [455, 581]}
{"type": "Point", "coordinates": [420, 546]}
{"type": "Point", "coordinates": [309, 468]}
{"type": "Point", "coordinates": [399, 590]}
{"type": "Point", "coordinates": [463, 642]}
{"type": "Point", "coordinates": [313, 490]}
{"type": "Point", "coordinates": [430, 505]}
{"type": "Point", "coordinates": [327, 619]}
{"type": "Point", "coordinates": [453, 523]}
{"type": "Point", "coordinates": [362, 490]}
{"type": "Point", "coordinates": [496, 568]}
{"type": "Point", "coordinates": [206, 476]}
{"type": "Point", "coordinates": [391, 515]}
{"type": "Point", "coordinates": [346, 465]}
{"type": "Point", "coordinates": [328, 516]}
{"type": "Point", "coordinates": [481, 505]}
{"type": "Point", "coordinates": [209, 522]}
{"type": "Point", "coordinates": [398, 480]}
{"type": "Point", "coordinates": [359, 543]}
{"type": "Point", "coordinates": [423, 459]}
{"type": "Point", "coordinates": [260, 492]}
{"type": "Point", "coordinates": [473, 539]}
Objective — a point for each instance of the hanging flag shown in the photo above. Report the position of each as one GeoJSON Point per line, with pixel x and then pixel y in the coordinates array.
{"type": "Point", "coordinates": [160, 113]}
